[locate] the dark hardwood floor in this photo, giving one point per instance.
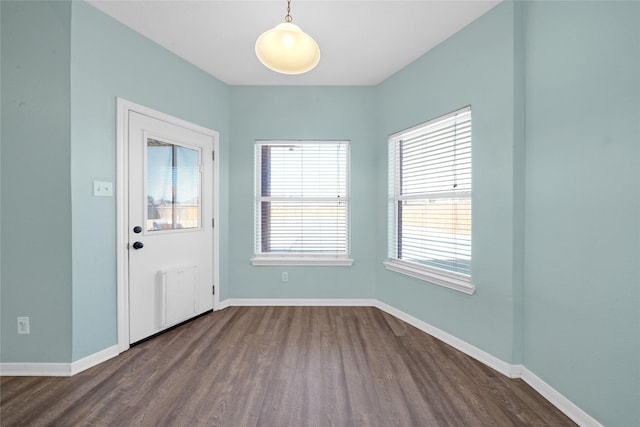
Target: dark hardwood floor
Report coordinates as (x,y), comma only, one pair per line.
(282,366)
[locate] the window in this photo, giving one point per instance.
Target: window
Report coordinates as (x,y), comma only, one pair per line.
(430,201)
(173,186)
(302,203)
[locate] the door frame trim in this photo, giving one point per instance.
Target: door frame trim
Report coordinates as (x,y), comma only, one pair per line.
(124,107)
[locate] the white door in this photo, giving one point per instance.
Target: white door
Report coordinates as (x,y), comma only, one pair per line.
(170,236)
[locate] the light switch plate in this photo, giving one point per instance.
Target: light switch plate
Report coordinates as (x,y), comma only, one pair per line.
(23,325)
(102,188)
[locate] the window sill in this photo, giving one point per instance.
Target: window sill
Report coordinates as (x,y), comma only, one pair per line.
(330,261)
(444,278)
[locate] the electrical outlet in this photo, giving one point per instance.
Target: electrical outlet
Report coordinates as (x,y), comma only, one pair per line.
(102,188)
(285,276)
(23,325)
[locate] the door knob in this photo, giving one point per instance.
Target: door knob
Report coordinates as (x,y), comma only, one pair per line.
(137,229)
(138,245)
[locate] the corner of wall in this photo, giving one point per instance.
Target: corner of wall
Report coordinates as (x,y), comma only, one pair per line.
(518,178)
(36,214)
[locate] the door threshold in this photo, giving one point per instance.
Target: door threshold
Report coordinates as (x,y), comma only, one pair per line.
(164,331)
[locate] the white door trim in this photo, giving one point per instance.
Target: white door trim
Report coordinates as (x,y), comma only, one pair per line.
(122,208)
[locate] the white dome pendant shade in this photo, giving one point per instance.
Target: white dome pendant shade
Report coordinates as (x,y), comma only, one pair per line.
(287,49)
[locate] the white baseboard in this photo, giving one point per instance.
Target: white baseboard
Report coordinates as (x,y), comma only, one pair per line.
(511,371)
(57,369)
(567,407)
(35,369)
(345,302)
(94,359)
(480,355)
(570,409)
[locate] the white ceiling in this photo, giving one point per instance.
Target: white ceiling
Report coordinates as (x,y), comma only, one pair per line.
(361,42)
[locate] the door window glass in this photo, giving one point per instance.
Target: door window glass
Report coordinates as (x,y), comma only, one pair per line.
(173,186)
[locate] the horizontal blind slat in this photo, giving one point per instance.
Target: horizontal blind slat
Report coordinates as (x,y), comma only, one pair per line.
(302,203)
(430,194)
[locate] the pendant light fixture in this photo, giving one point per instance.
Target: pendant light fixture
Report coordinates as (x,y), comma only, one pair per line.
(287,49)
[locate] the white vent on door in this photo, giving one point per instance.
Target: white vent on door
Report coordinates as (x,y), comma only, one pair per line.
(179,300)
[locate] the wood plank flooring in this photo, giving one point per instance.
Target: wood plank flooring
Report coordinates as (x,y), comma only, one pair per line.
(282,366)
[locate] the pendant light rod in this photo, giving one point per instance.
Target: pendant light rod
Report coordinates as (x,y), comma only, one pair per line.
(288,18)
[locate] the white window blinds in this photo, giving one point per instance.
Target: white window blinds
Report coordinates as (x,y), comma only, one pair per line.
(302,198)
(430,194)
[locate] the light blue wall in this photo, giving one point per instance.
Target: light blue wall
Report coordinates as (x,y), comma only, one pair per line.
(474,67)
(36,195)
(556,121)
(64,64)
(109,60)
(582,292)
(331,113)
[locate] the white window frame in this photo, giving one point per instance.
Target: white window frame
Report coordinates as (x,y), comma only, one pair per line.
(297,258)
(446,278)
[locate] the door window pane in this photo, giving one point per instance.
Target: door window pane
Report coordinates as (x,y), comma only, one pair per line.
(173,186)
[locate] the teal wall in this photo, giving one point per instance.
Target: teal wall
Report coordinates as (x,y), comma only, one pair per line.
(321,113)
(108,60)
(582,275)
(474,67)
(36,192)
(556,122)
(64,64)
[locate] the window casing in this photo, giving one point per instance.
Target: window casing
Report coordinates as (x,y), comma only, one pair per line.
(430,201)
(302,203)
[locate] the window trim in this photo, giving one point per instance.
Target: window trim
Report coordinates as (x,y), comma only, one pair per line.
(299,258)
(445,278)
(308,260)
